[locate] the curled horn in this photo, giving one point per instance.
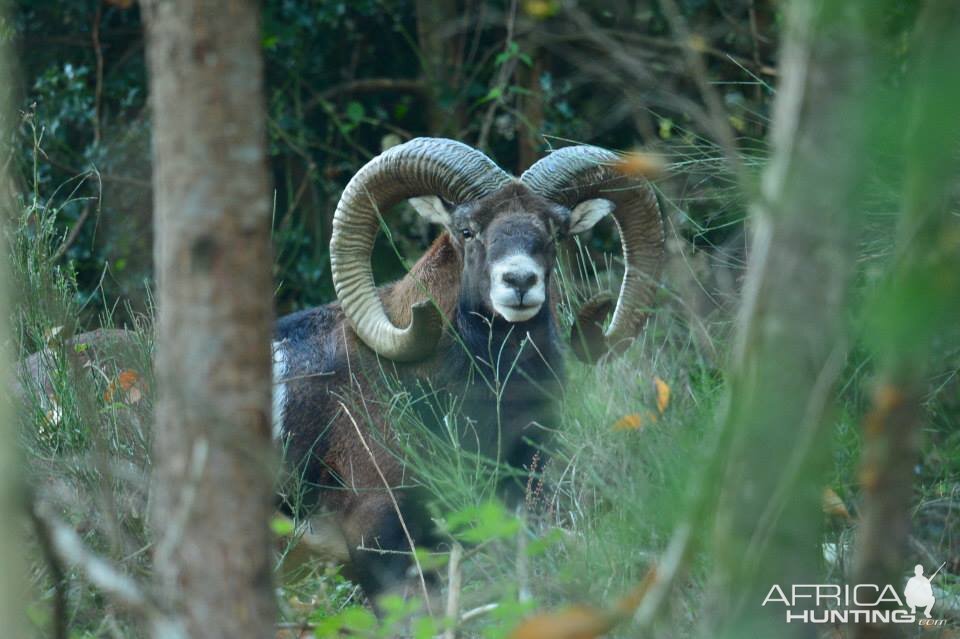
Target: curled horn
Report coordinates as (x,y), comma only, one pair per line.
(573,174)
(423,166)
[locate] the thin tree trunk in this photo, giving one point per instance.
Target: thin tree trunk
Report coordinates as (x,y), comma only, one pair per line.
(212,487)
(441,55)
(925,252)
(790,345)
(11,570)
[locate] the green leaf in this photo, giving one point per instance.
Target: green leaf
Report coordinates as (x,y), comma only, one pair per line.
(424,628)
(666,128)
(357,619)
(485,522)
(429,560)
(539,546)
(493,94)
(355,111)
(282,526)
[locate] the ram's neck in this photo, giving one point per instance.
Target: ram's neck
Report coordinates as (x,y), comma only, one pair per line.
(436,275)
(498,346)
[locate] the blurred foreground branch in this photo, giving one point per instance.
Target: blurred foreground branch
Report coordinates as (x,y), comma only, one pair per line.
(916,308)
(791,342)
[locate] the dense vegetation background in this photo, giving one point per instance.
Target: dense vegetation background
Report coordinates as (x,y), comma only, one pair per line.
(692,83)
(345,79)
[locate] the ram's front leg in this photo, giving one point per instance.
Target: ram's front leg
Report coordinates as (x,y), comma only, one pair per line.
(381,539)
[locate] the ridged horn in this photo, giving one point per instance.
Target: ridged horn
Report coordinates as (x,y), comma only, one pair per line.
(422,166)
(573,174)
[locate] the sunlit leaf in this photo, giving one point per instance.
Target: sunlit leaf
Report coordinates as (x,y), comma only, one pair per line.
(832,504)
(641,164)
(634,421)
(663,394)
(573,623)
(541,9)
(127,387)
(282,526)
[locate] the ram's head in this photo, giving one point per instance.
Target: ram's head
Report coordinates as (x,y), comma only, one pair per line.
(506,230)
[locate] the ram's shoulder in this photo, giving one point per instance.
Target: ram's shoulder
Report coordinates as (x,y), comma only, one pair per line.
(308,323)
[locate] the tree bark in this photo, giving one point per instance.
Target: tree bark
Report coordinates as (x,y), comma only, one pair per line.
(928,250)
(790,345)
(441,56)
(212,488)
(12,574)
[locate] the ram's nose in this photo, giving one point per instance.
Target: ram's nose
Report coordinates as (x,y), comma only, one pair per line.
(521,282)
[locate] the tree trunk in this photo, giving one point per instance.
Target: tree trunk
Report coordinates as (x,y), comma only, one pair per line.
(442,58)
(212,489)
(790,345)
(916,314)
(12,575)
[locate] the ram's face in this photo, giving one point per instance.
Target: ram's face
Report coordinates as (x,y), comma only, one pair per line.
(508,244)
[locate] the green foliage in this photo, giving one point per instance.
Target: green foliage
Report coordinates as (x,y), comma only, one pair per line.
(600,512)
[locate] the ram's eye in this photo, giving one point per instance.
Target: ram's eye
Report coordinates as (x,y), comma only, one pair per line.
(466,233)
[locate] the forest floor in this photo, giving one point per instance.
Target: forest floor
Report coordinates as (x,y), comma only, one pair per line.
(636,433)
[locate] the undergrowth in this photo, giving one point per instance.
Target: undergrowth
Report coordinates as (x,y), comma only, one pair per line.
(635,432)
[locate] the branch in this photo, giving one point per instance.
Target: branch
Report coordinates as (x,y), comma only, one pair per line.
(61,629)
(69,550)
(366,85)
(716,113)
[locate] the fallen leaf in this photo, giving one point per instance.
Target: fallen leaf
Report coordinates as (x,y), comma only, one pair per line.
(126,387)
(635,421)
(641,163)
(573,623)
(663,394)
(122,4)
(581,622)
(832,504)
(54,414)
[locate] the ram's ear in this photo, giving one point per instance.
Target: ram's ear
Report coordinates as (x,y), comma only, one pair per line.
(432,209)
(587,213)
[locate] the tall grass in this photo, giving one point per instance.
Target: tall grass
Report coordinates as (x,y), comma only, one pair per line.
(616,473)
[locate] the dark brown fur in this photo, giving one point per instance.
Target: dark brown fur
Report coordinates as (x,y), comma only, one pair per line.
(335,390)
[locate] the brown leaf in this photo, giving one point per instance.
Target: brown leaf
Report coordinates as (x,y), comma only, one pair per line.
(663,394)
(832,504)
(633,421)
(121,4)
(641,164)
(578,622)
(127,387)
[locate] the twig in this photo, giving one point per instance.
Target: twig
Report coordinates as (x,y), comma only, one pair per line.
(365,85)
(70,550)
(523,566)
(98,90)
(78,225)
(506,70)
(453,591)
(479,611)
(716,112)
(396,507)
(61,629)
